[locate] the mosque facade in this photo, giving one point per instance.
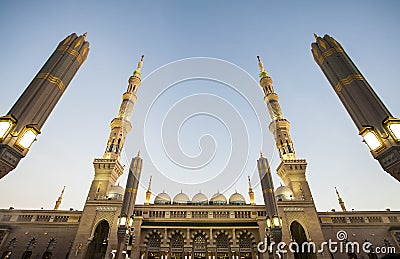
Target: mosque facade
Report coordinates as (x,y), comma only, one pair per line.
(113,225)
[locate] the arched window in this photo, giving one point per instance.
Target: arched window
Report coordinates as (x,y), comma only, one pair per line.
(177,241)
(245,241)
(199,242)
(154,240)
(222,241)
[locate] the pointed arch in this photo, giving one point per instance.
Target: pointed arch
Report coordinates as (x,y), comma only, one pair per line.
(98,245)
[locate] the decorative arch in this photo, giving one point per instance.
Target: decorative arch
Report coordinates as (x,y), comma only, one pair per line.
(299,235)
(96,224)
(98,245)
(149,235)
(246,239)
(200,233)
(303,224)
(174,234)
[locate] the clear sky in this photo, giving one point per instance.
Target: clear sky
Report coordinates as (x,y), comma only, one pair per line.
(199,122)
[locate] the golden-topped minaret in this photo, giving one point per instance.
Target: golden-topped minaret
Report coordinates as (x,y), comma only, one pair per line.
(58,202)
(148,193)
(102,209)
(251,193)
(108,168)
(291,169)
(341,202)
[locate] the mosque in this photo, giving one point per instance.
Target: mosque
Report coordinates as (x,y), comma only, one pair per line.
(113,225)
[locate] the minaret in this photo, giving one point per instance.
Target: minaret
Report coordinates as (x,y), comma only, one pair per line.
(99,207)
(58,202)
(148,193)
(267,186)
(251,193)
(379,129)
(341,202)
(291,169)
(20,127)
(108,168)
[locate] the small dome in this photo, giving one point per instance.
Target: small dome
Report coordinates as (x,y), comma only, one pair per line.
(200,199)
(181,198)
(116,192)
(162,198)
(237,199)
(218,199)
(284,193)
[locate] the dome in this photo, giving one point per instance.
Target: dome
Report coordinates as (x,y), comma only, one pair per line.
(218,199)
(181,198)
(284,193)
(237,199)
(116,192)
(162,198)
(200,199)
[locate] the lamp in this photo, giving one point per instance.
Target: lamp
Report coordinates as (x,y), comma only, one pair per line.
(268,222)
(122,220)
(371,138)
(393,126)
(27,136)
(276,221)
(6,124)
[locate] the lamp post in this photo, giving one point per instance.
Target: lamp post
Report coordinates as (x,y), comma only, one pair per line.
(273,232)
(124,231)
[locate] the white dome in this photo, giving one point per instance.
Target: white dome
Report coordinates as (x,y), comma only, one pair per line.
(218,199)
(181,198)
(237,199)
(284,193)
(116,192)
(200,198)
(162,198)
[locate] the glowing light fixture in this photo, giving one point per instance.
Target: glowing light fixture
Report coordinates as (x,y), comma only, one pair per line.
(371,138)
(393,125)
(276,221)
(27,136)
(268,222)
(122,220)
(4,128)
(6,124)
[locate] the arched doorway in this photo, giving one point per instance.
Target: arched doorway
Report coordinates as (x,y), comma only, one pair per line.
(154,245)
(299,236)
(98,246)
(246,244)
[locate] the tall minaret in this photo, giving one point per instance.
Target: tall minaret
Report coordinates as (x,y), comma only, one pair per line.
(341,202)
(20,127)
(379,129)
(99,207)
(58,202)
(148,193)
(291,169)
(267,186)
(108,168)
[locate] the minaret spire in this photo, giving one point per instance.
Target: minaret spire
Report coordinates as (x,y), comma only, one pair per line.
(58,202)
(251,193)
(148,192)
(341,202)
(120,125)
(279,126)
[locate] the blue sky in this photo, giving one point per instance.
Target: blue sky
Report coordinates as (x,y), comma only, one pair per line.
(234,31)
